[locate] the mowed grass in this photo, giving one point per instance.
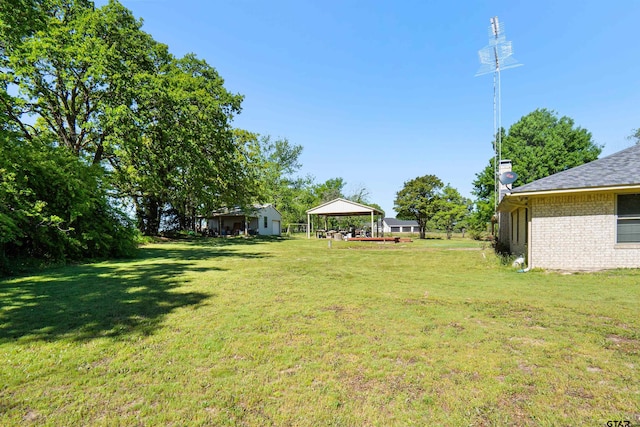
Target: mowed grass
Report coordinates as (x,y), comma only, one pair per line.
(259,332)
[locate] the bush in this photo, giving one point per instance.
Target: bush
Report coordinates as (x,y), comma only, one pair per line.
(479,235)
(53,207)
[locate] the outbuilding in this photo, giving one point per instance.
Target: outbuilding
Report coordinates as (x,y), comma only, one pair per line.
(393,225)
(264,220)
(342,207)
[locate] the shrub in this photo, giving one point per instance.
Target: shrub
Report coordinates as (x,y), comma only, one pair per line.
(53,207)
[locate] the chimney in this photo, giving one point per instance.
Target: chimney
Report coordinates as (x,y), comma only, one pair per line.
(505,166)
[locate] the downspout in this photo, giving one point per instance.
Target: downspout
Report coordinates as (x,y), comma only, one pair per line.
(529,227)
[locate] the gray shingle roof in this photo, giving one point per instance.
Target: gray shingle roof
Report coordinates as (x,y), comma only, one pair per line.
(400,222)
(621,168)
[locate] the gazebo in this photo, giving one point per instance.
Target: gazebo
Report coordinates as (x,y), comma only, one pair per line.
(341,207)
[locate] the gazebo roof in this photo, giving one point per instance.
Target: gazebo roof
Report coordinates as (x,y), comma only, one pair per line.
(343,207)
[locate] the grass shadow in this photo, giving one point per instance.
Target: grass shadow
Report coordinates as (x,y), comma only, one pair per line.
(91,301)
(109,299)
(198,248)
(237,240)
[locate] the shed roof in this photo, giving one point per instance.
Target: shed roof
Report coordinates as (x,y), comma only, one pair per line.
(236,211)
(393,222)
(618,169)
(343,207)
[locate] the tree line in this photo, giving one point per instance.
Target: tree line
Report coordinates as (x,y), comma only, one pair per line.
(539,144)
(98,119)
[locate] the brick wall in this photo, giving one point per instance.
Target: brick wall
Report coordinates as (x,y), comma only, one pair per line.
(577,232)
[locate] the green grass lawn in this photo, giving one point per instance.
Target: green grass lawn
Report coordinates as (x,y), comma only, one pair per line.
(291,332)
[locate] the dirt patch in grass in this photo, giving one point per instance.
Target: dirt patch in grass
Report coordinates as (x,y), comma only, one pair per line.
(387,388)
(31,416)
(529,341)
(527,369)
(515,404)
(624,344)
(621,340)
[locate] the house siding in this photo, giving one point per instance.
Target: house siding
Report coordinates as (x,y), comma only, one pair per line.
(517,232)
(273,221)
(399,227)
(236,222)
(578,232)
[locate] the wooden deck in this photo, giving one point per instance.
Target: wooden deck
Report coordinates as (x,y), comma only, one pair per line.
(380,239)
(374,239)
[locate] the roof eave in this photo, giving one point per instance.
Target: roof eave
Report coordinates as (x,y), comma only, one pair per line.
(575,190)
(368,209)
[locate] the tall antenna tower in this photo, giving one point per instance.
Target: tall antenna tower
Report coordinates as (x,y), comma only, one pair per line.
(495,57)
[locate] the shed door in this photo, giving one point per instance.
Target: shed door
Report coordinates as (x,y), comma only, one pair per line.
(276,227)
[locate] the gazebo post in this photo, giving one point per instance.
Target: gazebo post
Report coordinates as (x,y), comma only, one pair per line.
(341,207)
(371,224)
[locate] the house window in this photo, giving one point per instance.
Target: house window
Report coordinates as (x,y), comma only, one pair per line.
(265,222)
(629,218)
(395,229)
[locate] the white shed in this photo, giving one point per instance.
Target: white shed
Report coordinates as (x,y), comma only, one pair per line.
(268,221)
(393,225)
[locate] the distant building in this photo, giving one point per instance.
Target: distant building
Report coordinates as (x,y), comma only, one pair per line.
(264,220)
(392,225)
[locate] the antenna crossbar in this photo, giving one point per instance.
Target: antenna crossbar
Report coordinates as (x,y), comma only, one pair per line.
(494,57)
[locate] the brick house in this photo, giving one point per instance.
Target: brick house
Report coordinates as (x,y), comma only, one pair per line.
(584,218)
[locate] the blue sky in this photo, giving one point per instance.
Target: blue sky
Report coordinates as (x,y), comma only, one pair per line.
(381,92)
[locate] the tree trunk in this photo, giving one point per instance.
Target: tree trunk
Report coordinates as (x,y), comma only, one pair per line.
(193,219)
(140,218)
(151,216)
(97,157)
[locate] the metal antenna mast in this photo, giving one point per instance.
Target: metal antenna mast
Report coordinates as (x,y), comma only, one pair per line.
(495,57)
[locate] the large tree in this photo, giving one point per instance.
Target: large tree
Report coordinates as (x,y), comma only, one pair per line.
(451,210)
(277,163)
(539,144)
(71,70)
(175,153)
(55,92)
(90,81)
(329,190)
(418,200)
